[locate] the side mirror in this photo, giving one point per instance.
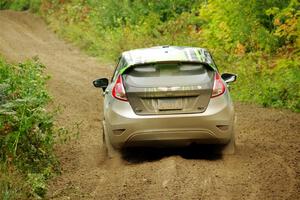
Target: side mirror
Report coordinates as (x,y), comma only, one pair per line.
(101,83)
(228,78)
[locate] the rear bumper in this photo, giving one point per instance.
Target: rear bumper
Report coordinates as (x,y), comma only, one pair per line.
(125,128)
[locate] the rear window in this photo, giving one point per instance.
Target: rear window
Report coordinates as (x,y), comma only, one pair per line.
(156,75)
(161,70)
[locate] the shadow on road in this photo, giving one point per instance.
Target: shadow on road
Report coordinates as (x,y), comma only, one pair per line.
(136,155)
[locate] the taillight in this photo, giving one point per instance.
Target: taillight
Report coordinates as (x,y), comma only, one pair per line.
(219,87)
(119,91)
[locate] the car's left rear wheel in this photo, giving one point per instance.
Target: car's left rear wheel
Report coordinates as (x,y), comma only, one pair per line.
(103,148)
(111,152)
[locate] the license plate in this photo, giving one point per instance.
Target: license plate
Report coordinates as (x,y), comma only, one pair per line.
(170,104)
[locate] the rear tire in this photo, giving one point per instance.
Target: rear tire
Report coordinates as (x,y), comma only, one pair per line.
(111,152)
(229,148)
(104,148)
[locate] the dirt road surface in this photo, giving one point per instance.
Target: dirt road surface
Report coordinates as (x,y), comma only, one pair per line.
(265,166)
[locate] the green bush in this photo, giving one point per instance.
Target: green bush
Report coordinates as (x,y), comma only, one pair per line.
(20,5)
(26,129)
(277,87)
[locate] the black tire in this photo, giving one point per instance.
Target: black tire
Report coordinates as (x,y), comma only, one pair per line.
(103,150)
(103,147)
(111,152)
(229,148)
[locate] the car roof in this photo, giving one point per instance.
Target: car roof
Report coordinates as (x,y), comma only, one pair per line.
(168,54)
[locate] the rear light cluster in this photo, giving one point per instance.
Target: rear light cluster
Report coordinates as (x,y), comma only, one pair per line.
(118,90)
(219,87)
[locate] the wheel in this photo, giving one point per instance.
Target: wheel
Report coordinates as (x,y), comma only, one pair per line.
(229,148)
(110,150)
(103,147)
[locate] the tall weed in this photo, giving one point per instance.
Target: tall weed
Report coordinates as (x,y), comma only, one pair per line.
(26,130)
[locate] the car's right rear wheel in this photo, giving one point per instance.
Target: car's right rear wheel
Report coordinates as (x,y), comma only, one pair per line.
(229,148)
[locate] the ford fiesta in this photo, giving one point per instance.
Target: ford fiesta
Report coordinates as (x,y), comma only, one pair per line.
(167,96)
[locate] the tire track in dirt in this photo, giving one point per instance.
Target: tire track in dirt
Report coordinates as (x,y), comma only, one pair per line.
(266,165)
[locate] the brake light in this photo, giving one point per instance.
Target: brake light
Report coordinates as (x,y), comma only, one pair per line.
(118,90)
(219,87)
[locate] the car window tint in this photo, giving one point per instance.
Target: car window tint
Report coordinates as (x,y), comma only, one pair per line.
(161,70)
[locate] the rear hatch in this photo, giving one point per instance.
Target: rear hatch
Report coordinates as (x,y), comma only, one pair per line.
(168,88)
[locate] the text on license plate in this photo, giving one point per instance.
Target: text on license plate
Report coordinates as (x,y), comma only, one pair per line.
(170,104)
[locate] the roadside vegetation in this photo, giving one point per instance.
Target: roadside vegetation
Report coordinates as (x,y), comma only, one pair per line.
(26,131)
(258,40)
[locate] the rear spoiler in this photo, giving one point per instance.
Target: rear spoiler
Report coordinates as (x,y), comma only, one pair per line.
(209,66)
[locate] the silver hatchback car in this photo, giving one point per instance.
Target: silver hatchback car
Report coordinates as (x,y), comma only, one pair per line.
(167,96)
